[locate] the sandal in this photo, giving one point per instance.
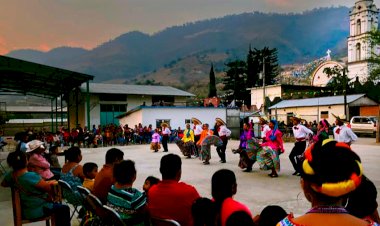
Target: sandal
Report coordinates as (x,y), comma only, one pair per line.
(273,175)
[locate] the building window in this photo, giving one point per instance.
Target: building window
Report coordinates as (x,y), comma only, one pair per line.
(187,121)
(159,121)
(358,27)
(324,114)
(358,52)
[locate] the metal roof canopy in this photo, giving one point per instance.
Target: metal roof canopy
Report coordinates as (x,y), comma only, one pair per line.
(27,78)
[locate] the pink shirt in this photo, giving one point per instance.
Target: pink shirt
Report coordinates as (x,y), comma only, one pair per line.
(277,144)
(40,165)
(155,138)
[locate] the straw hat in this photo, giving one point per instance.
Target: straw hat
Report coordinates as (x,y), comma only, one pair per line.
(263,119)
(341,117)
(33,145)
(296,117)
(196,121)
(220,121)
(164,124)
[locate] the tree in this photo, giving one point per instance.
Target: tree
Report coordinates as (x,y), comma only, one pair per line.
(339,82)
(253,69)
(235,81)
(212,85)
(269,58)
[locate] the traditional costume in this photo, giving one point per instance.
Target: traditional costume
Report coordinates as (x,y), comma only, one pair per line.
(187,145)
(301,134)
(341,132)
(155,143)
(205,154)
(165,135)
(197,133)
(224,134)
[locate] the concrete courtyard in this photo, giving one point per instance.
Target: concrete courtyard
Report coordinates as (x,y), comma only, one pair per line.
(255,189)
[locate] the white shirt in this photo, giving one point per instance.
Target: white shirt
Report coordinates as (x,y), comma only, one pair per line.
(300,131)
(197,130)
(166,131)
(264,129)
(344,134)
(223,131)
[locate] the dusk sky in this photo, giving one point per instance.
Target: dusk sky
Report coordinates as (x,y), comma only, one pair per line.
(46,24)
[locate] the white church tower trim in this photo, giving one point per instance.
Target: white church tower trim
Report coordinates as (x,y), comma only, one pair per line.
(363,18)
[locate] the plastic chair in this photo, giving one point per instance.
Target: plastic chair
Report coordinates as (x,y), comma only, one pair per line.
(17,214)
(95,209)
(111,217)
(163,222)
(84,192)
(71,197)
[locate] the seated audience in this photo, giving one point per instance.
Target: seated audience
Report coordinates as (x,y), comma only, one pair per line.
(203,212)
(104,179)
(73,157)
(129,202)
(223,188)
(270,216)
(37,163)
(170,198)
(330,171)
(90,170)
(240,218)
(362,202)
(149,182)
(33,191)
(52,158)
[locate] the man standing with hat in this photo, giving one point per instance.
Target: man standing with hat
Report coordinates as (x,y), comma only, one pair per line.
(341,132)
(264,127)
(165,135)
(224,134)
(301,134)
(197,133)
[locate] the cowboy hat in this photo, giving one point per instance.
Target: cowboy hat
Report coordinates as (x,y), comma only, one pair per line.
(263,119)
(220,121)
(33,145)
(196,121)
(341,117)
(164,124)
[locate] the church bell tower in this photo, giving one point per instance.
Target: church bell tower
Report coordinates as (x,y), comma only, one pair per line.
(363,18)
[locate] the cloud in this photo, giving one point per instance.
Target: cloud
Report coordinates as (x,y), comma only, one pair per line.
(44,47)
(280,3)
(3,46)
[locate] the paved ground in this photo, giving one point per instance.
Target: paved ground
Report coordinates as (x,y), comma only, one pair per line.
(255,189)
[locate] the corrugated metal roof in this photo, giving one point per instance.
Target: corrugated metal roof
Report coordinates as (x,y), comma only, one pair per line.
(33,109)
(321,101)
(135,89)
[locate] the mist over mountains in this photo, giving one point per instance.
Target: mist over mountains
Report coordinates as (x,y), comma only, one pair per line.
(298,38)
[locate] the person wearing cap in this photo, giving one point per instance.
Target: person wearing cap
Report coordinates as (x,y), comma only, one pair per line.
(301,134)
(197,133)
(38,163)
(341,132)
(224,133)
(329,173)
(165,135)
(264,127)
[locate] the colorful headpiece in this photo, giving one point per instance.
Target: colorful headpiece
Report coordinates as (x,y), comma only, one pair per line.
(332,189)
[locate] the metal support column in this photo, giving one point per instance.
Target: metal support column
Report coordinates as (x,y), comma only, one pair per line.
(62,111)
(52,116)
(88,104)
(56,114)
(68,109)
(76,108)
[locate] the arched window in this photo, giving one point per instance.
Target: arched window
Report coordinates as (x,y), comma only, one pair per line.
(358,27)
(358,52)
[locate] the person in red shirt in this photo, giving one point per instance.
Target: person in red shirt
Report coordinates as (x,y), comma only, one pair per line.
(171,199)
(104,179)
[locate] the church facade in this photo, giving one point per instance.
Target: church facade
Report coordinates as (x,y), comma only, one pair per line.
(363,19)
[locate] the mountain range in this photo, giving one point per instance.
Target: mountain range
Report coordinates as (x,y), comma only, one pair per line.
(133,55)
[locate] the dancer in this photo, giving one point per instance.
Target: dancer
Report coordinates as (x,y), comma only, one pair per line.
(268,157)
(188,141)
(247,155)
(155,143)
(341,132)
(322,132)
(165,135)
(197,133)
(224,133)
(301,134)
(264,127)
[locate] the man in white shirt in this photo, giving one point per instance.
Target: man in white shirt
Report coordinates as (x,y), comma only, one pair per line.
(197,133)
(341,132)
(224,133)
(264,127)
(165,135)
(301,134)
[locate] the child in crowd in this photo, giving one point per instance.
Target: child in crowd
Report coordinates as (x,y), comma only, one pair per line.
(149,182)
(155,144)
(52,158)
(90,170)
(270,216)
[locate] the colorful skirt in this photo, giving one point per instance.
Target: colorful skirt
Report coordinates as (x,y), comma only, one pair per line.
(249,155)
(267,158)
(187,148)
(155,146)
(205,153)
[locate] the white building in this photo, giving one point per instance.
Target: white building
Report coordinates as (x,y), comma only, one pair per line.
(106,101)
(363,18)
(174,116)
(319,108)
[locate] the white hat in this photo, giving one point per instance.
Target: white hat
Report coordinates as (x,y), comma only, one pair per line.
(341,117)
(33,145)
